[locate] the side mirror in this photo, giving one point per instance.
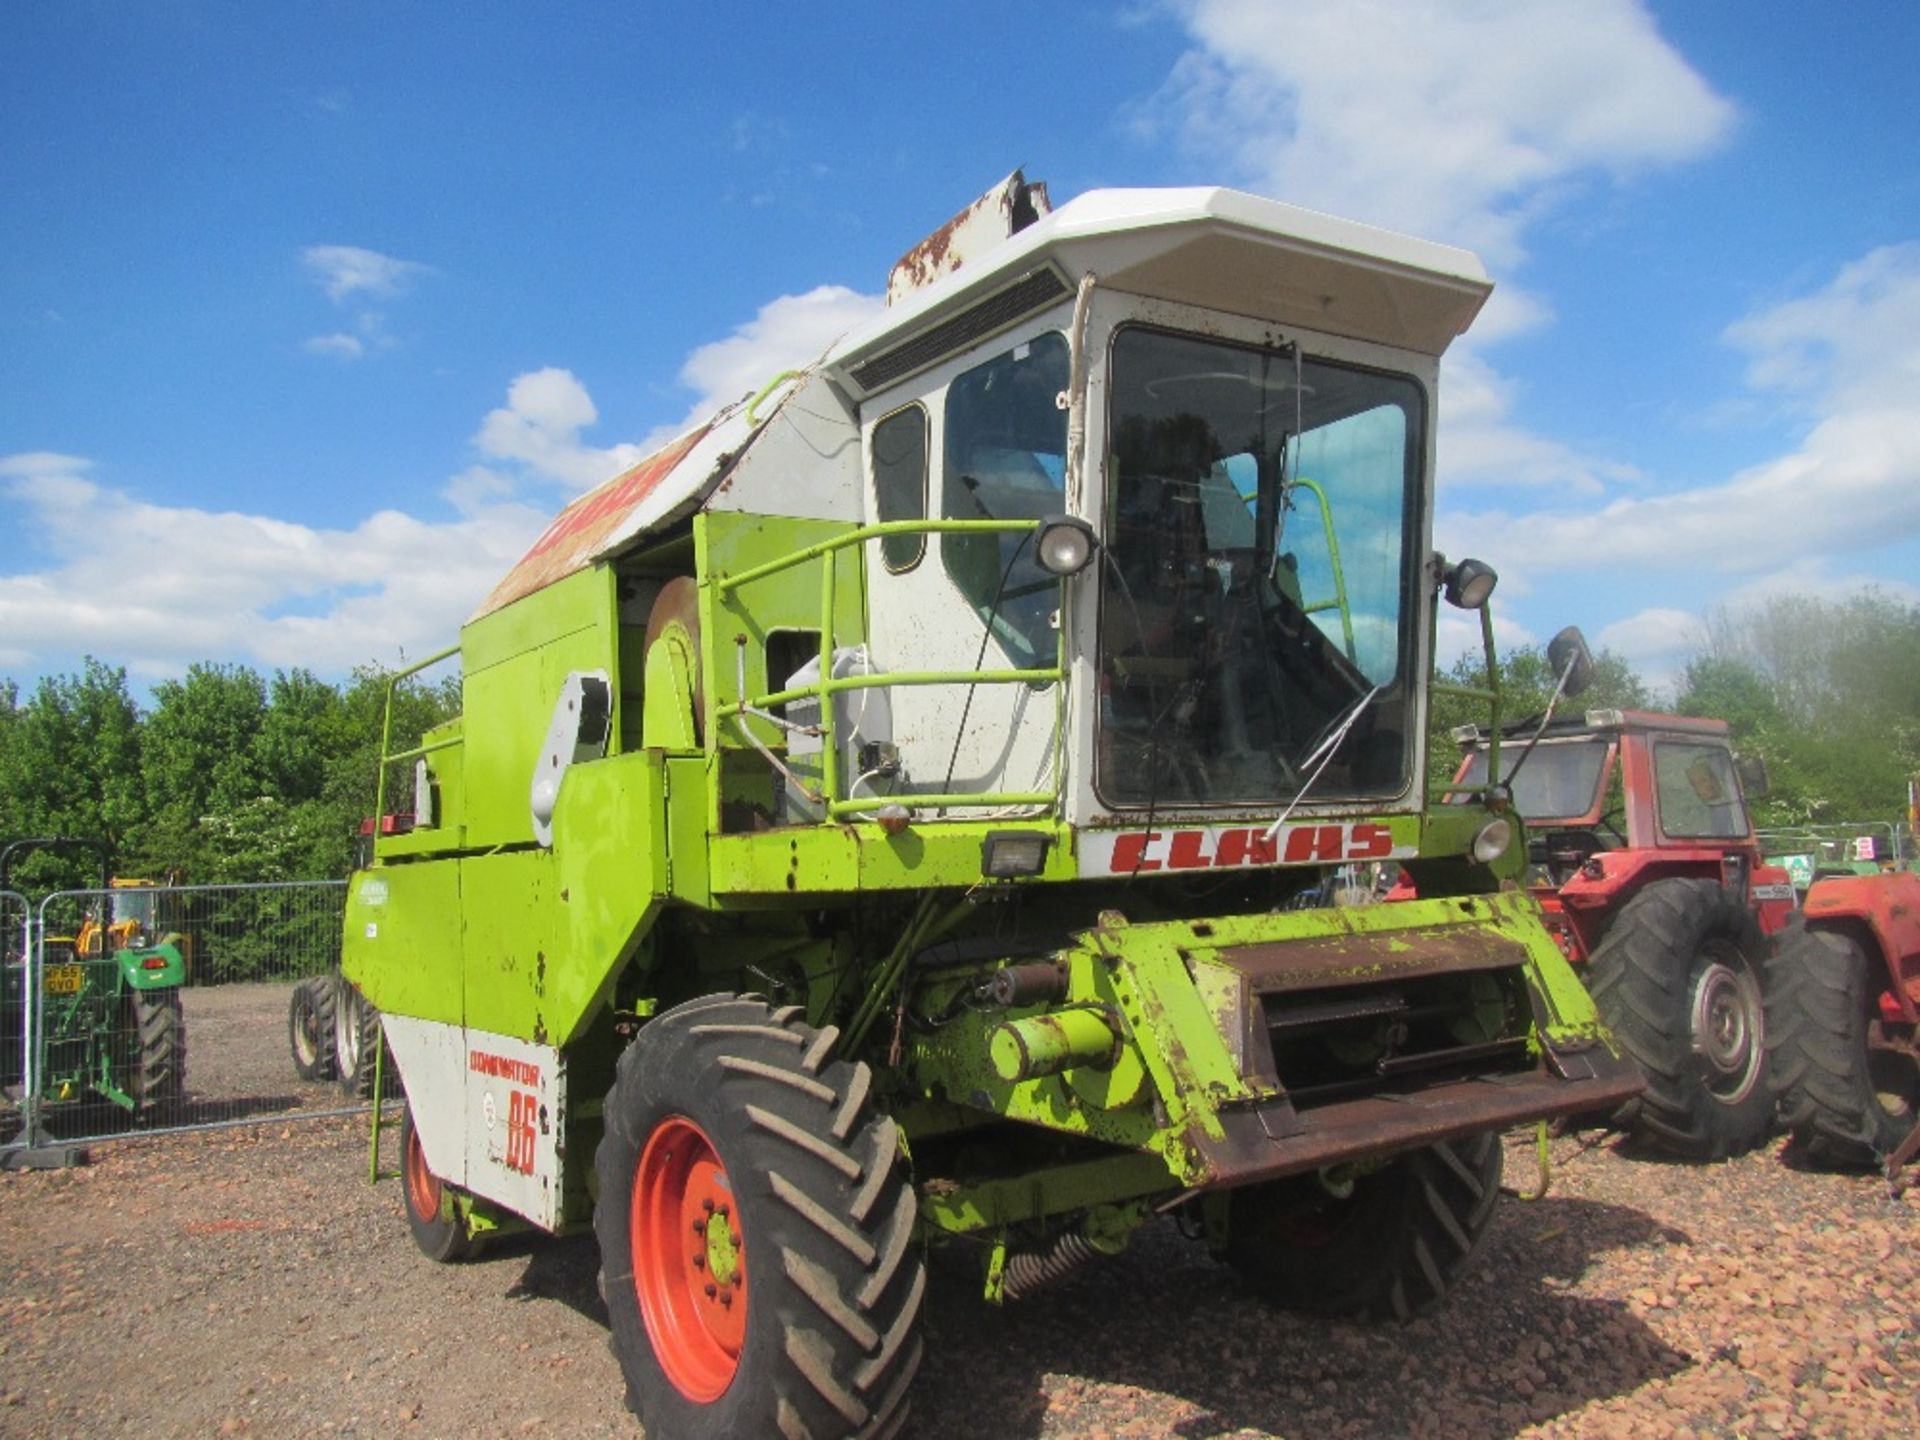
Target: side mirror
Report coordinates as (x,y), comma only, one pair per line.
(1567,655)
(1752,771)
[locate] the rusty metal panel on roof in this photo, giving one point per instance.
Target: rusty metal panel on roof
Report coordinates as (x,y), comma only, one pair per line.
(1006,209)
(579,531)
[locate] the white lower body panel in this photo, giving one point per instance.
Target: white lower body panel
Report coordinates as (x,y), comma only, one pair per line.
(489,1110)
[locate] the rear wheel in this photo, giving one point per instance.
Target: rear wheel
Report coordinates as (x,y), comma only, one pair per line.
(1392,1246)
(756,1231)
(356,1040)
(160,1066)
(437,1230)
(1845,1101)
(1677,979)
(310,1028)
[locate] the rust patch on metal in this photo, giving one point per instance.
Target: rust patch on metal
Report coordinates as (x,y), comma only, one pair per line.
(1361,959)
(1384,1124)
(577,531)
(1003,211)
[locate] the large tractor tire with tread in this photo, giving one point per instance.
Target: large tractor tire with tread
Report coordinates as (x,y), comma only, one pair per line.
(1391,1248)
(160,1062)
(1844,1103)
(310,1028)
(357,1038)
(756,1225)
(438,1232)
(1678,980)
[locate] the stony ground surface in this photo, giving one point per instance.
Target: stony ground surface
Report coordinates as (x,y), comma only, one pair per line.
(252,1282)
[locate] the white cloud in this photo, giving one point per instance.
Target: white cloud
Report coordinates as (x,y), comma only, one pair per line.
(540,426)
(1459,122)
(36,464)
(784,334)
(345,271)
(1479,444)
(1657,643)
(1849,356)
(215,584)
(339,345)
(228,584)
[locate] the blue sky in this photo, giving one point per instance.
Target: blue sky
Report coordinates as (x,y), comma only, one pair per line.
(310,315)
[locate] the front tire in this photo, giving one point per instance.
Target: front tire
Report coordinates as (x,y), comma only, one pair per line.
(1393,1247)
(756,1231)
(1845,1102)
(1677,979)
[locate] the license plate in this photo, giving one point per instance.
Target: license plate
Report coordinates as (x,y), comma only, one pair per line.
(65,979)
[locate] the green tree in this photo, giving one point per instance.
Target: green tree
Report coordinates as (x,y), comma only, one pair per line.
(70,765)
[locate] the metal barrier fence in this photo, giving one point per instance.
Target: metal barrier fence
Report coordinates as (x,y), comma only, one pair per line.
(16,1015)
(152,1008)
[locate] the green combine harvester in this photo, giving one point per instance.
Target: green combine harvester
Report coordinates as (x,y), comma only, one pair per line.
(896,813)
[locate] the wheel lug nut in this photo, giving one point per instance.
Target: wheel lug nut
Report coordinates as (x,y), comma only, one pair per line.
(721,1212)
(736,1239)
(699,1261)
(712,1291)
(727,1299)
(707,1205)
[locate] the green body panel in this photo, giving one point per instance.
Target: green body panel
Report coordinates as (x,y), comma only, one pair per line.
(401,944)
(609,848)
(859,856)
(514,662)
(512,943)
(137,975)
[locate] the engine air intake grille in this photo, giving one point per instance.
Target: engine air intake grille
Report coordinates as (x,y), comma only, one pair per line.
(996,312)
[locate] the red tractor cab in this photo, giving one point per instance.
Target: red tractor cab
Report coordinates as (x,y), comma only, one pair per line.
(1645,861)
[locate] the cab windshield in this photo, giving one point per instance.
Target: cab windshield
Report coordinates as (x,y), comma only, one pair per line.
(1256,592)
(1560,781)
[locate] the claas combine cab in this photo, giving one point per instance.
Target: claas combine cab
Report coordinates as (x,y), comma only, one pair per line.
(874,823)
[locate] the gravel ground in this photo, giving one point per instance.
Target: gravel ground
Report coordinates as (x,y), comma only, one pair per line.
(252,1282)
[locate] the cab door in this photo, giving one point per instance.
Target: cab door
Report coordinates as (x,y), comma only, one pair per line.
(981,437)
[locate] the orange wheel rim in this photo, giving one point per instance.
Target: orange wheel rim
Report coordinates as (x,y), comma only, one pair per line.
(423,1186)
(689,1260)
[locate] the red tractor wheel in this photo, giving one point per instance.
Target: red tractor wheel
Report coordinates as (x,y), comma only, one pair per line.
(693,1296)
(1847,1101)
(1678,980)
(438,1232)
(756,1231)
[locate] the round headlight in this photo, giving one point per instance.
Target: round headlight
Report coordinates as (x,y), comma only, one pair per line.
(1469,584)
(1065,544)
(1491,840)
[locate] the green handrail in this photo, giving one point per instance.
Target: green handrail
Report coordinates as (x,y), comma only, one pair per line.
(386,732)
(822,690)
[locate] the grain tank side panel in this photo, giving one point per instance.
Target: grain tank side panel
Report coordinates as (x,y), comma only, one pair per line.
(401,944)
(515,661)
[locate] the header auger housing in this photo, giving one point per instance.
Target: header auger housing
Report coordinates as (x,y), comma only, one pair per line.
(874,820)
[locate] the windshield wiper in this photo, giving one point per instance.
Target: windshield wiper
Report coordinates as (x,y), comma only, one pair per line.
(1321,756)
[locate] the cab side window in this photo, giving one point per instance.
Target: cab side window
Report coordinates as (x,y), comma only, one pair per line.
(898,454)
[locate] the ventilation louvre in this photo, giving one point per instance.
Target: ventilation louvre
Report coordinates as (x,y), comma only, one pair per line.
(1027,294)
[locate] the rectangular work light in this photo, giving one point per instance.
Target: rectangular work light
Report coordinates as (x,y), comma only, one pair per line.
(1010,854)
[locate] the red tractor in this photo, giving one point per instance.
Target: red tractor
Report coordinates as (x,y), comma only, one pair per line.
(1646,864)
(1843,1016)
